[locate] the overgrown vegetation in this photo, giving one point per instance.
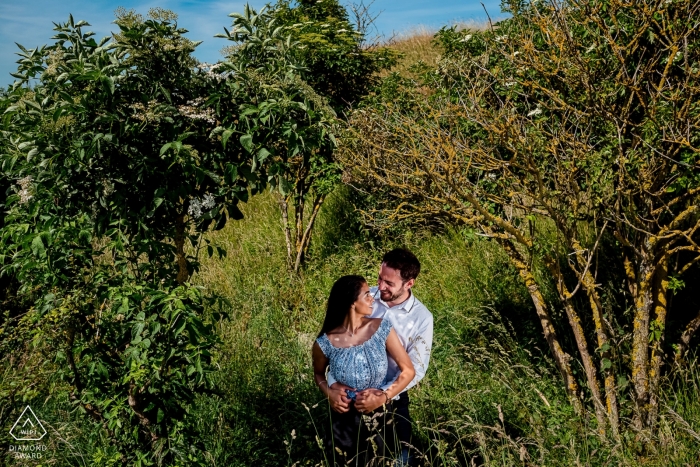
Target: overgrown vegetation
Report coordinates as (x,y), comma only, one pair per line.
(146,327)
(564,135)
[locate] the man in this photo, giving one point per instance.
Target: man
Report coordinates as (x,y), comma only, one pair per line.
(413,324)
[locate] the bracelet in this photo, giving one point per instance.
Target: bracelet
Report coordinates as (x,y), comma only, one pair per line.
(322,382)
(387,397)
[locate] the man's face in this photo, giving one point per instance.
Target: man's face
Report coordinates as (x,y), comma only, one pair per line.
(392,288)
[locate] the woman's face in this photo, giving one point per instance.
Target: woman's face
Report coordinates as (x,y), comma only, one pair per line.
(363,304)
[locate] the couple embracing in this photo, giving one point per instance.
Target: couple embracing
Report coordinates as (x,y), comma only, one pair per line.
(374,345)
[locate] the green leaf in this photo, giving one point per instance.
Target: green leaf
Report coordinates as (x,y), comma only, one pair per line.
(247,143)
(38,247)
(165,148)
(225,136)
(230,173)
(263,154)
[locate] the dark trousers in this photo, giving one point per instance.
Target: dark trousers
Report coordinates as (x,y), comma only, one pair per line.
(362,440)
(402,419)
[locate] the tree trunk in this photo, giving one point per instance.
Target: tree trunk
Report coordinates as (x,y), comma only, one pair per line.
(299,223)
(660,310)
(282,201)
(306,238)
(580,338)
(588,283)
(561,358)
(640,340)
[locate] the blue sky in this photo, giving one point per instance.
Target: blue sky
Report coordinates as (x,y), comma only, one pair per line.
(30,22)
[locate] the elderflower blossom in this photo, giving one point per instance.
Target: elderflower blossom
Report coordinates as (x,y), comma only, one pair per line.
(25,185)
(192,110)
(198,206)
(209,70)
(145,113)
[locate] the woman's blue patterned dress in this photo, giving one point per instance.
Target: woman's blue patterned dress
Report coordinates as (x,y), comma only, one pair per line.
(360,366)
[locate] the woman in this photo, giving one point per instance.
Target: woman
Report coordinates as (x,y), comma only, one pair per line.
(356,346)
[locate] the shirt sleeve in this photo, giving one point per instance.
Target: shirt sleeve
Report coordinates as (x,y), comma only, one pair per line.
(418,349)
(330,379)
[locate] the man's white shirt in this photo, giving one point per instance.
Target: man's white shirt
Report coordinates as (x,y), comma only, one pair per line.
(414,326)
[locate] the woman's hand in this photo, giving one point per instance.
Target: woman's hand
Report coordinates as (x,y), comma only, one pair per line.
(338,398)
(369,400)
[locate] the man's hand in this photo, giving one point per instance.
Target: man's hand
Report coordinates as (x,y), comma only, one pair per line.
(340,402)
(369,399)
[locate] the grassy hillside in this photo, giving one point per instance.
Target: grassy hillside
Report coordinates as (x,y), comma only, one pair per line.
(491,395)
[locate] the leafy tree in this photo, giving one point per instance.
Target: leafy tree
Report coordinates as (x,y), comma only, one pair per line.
(121,155)
(329,56)
(563,128)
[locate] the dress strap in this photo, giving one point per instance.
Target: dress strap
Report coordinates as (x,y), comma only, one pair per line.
(384,329)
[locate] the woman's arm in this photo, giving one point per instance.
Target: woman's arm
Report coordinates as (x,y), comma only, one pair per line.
(320,362)
(371,398)
(337,395)
(398,353)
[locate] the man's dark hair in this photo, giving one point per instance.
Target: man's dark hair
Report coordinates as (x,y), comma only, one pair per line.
(404,261)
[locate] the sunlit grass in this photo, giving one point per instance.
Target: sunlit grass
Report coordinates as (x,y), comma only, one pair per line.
(491,396)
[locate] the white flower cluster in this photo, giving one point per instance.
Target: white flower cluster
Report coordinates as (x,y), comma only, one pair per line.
(192,110)
(144,113)
(198,206)
(25,185)
(209,70)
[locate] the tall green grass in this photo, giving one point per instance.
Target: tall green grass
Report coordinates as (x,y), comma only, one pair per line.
(491,395)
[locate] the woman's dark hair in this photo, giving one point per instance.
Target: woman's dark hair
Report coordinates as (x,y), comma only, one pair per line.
(344,293)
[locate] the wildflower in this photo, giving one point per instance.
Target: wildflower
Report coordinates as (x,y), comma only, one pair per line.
(534,112)
(144,113)
(192,111)
(466,38)
(199,206)
(209,70)
(25,185)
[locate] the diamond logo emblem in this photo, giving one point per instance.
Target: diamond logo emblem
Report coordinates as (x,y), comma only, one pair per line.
(28,427)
